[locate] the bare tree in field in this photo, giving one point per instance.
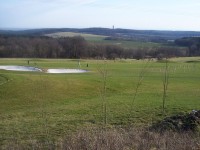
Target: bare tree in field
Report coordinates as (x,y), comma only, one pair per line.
(165,84)
(104,74)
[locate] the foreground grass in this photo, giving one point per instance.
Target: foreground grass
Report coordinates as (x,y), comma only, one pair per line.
(42,107)
(114,139)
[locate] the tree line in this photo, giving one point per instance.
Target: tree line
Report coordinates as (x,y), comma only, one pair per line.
(76,47)
(193,44)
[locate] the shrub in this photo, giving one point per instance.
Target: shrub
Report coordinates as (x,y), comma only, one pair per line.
(179,123)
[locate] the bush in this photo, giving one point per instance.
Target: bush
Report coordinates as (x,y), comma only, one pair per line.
(180,123)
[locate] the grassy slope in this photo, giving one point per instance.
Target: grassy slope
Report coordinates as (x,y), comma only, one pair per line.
(42,106)
(89,37)
(130,44)
(101,40)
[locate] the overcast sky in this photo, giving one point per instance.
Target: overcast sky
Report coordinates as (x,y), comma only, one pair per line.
(132,14)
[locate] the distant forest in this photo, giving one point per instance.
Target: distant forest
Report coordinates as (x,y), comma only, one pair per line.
(193,44)
(78,47)
(141,35)
(33,43)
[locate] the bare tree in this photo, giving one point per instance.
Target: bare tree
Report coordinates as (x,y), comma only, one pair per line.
(165,84)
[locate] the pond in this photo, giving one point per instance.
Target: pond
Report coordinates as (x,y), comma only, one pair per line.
(20,68)
(65,71)
(35,69)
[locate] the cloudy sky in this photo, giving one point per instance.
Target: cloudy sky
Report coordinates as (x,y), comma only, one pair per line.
(132,14)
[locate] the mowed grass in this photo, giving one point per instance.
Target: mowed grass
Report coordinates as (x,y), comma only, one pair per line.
(41,106)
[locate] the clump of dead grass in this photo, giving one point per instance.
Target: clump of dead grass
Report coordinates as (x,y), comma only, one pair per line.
(125,139)
(114,139)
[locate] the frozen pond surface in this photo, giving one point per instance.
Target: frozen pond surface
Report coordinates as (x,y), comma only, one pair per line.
(65,71)
(27,68)
(20,68)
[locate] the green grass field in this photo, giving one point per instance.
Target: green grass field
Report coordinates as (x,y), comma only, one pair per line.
(88,37)
(101,40)
(40,106)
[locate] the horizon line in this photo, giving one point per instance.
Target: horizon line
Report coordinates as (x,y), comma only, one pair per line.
(37,28)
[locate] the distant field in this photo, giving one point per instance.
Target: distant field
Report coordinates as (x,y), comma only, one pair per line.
(40,106)
(101,40)
(131,44)
(88,37)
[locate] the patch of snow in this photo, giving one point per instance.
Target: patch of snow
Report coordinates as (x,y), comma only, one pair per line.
(20,68)
(65,71)
(27,68)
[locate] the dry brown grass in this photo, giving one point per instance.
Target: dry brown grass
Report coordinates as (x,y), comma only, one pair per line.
(116,139)
(121,139)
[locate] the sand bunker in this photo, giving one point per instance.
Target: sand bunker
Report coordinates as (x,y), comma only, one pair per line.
(20,68)
(65,71)
(27,68)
